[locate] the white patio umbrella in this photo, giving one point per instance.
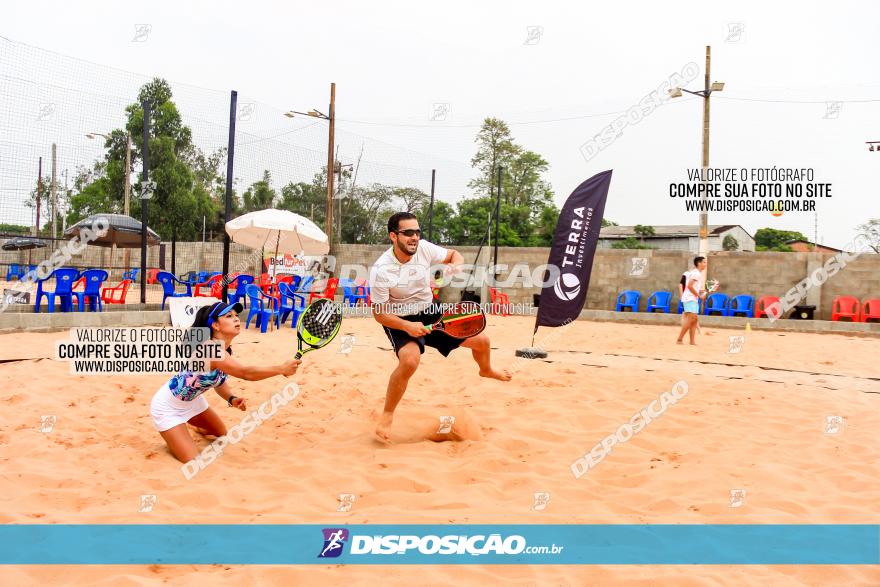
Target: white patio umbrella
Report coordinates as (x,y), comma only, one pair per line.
(288,232)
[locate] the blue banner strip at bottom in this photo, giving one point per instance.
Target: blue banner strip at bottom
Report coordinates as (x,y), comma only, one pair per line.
(794,544)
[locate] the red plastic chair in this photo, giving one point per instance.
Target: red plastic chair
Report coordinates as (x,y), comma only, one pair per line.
(151,276)
(871,309)
(115,295)
(500,302)
(762,304)
(329,291)
(210,286)
(362,283)
(265,283)
(845,307)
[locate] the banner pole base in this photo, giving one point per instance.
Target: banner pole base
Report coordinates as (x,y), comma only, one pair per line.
(531,353)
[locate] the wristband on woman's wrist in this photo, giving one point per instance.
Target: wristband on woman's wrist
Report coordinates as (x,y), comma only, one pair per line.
(229,401)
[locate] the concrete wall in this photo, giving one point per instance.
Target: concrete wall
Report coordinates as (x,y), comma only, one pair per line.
(750,273)
(753,273)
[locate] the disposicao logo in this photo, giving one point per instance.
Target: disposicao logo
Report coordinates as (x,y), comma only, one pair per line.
(334,541)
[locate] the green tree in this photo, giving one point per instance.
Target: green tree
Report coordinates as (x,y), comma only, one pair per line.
(443,221)
(871,231)
(181,196)
(260,195)
(771,239)
(606,222)
(643,231)
(15,229)
(495,147)
(306,199)
(730,243)
(630,242)
(523,183)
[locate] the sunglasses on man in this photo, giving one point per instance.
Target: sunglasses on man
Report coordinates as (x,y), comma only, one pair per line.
(410,232)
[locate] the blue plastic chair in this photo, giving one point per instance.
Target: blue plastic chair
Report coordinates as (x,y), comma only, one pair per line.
(289,303)
(168,280)
(92,293)
(628,299)
(131,274)
(191,277)
(662,300)
(742,305)
(259,310)
(14,271)
(353,293)
(717,302)
(64,280)
(239,296)
(699,306)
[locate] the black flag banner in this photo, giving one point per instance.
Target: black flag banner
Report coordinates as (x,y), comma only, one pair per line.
(574,245)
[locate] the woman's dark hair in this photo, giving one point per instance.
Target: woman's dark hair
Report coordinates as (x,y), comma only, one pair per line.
(394,221)
(697,260)
(201,320)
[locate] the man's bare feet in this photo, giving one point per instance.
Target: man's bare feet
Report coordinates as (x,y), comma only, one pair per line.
(679,341)
(503,375)
(383,429)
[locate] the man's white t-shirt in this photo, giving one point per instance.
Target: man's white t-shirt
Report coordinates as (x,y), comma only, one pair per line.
(406,287)
(697,277)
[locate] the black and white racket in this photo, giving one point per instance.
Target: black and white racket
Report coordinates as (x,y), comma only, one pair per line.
(317,326)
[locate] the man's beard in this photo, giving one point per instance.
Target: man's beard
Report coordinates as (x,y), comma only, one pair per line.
(403,248)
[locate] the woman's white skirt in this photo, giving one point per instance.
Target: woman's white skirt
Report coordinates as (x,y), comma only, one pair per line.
(168,411)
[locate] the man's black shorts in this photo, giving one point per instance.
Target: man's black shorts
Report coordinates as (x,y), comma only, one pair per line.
(440,341)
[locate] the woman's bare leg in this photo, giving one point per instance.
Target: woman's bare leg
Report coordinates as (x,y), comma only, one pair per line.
(208,423)
(180,443)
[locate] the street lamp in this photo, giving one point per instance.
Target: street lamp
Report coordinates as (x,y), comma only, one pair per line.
(331,118)
(705,93)
(312,113)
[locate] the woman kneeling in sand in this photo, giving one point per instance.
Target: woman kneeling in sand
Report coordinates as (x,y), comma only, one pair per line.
(180,402)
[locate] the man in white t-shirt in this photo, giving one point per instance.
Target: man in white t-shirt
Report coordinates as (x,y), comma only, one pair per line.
(400,291)
(691,295)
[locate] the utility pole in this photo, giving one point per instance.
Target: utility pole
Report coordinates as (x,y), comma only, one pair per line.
(39,194)
(54,194)
(708,87)
(330,166)
(67,204)
(704,214)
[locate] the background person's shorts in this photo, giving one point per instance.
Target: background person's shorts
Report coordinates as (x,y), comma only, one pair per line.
(440,341)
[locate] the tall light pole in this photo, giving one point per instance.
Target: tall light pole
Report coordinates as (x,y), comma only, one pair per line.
(705,93)
(331,118)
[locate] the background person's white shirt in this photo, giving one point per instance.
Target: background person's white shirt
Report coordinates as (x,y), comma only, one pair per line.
(406,285)
(695,276)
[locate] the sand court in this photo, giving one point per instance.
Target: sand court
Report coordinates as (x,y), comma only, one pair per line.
(784,430)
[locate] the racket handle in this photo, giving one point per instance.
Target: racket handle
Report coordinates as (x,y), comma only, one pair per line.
(298,355)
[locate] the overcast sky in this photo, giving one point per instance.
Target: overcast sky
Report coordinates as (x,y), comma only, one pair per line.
(393,61)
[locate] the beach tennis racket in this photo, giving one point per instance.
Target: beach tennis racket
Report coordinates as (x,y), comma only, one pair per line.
(462,320)
(317,326)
